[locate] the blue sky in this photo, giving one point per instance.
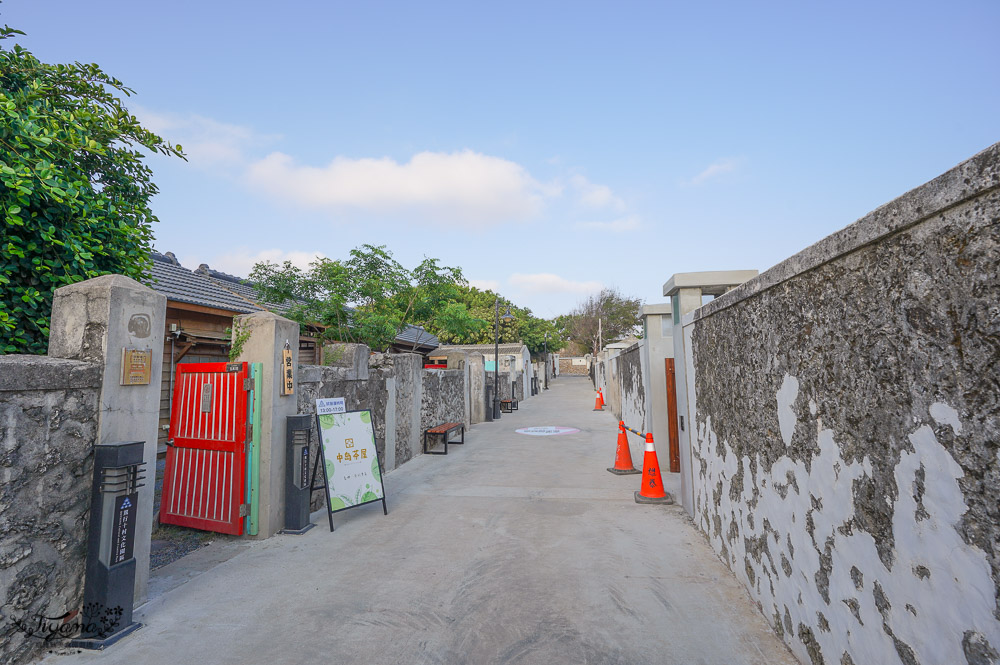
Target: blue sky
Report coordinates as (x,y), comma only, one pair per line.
(547,148)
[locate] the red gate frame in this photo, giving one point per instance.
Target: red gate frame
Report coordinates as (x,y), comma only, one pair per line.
(205,476)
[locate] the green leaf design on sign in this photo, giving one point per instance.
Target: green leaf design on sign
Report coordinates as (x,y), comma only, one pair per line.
(336,503)
(329,469)
(368,496)
(326,421)
(375,469)
(366,416)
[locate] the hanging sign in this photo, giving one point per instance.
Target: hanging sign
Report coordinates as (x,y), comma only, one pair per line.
(351,470)
(287,374)
(546,431)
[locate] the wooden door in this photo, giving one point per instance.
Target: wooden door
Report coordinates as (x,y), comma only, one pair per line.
(204,479)
(675,448)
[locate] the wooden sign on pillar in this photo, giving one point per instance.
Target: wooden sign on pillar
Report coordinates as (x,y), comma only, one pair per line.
(287,374)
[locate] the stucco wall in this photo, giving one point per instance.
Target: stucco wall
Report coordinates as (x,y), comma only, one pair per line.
(48,428)
(846,452)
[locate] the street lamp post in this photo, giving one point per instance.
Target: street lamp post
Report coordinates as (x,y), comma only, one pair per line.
(496,356)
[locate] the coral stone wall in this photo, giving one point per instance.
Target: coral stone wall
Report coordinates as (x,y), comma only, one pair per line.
(48,428)
(847,452)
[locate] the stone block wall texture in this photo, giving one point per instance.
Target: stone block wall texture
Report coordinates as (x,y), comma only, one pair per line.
(419,399)
(518,385)
(443,397)
(48,428)
(631,389)
(847,445)
(566,366)
(407,372)
(506,387)
(316,382)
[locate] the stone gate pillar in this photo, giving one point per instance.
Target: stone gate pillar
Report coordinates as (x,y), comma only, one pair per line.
(268,335)
(685,290)
(99,320)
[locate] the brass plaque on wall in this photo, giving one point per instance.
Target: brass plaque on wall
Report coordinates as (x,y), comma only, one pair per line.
(137,364)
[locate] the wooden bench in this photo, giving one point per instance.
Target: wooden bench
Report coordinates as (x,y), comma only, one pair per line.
(508,405)
(444,431)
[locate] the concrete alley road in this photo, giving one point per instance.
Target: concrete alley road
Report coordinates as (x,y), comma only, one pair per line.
(510,549)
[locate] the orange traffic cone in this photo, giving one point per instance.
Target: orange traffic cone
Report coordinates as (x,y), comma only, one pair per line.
(598,402)
(600,393)
(623,457)
(652,484)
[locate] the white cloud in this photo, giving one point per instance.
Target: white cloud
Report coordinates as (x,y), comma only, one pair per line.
(593,195)
(206,142)
(716,169)
(549,283)
(241,261)
(620,225)
(458,189)
(485,284)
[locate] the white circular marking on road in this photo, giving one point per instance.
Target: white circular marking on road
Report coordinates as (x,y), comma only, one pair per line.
(546,431)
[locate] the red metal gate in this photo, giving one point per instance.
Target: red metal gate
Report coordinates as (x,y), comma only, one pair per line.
(203,483)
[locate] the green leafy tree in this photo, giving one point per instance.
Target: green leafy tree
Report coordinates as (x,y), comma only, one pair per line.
(74,189)
(605,317)
(369,297)
(525,328)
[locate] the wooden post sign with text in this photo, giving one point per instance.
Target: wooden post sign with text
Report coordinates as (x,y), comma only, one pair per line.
(287,373)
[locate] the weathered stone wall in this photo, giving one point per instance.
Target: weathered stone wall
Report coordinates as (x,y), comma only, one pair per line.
(408,368)
(631,391)
(443,398)
(404,398)
(48,428)
(517,384)
(566,366)
(846,457)
(316,382)
(506,387)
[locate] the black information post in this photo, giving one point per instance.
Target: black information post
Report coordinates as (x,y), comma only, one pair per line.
(298,429)
(110,582)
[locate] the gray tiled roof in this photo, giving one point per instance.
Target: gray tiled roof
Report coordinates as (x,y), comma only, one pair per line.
(212,288)
(508,349)
(178,283)
(417,335)
(240,287)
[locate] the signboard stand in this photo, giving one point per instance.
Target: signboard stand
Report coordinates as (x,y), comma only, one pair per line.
(348,459)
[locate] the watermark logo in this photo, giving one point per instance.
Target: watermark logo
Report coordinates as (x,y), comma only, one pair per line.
(92,620)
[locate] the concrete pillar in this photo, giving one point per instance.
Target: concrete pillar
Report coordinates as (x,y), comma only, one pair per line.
(94,321)
(458,359)
(477,387)
(268,335)
(658,337)
(685,291)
